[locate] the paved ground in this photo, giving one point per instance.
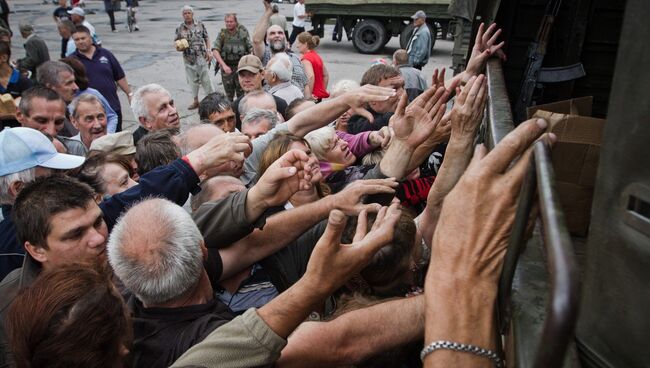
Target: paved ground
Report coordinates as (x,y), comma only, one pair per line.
(148,56)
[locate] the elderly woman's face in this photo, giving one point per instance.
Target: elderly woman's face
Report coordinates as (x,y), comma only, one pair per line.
(116,179)
(339,152)
(316,175)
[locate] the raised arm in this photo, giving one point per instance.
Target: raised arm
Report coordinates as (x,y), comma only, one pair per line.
(327,111)
(412,125)
(355,336)
(276,234)
(469,246)
(259,33)
(466,116)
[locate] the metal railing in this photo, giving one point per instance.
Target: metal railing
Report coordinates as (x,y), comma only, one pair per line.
(560,318)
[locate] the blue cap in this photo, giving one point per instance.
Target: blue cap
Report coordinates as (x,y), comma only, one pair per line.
(24,148)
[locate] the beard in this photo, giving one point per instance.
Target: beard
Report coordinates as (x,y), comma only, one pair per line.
(277,46)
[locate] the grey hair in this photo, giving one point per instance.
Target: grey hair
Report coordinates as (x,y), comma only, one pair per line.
(320,140)
(342,86)
(243,104)
(67,24)
(25,176)
(47,73)
(84,97)
(137,101)
(174,265)
(255,116)
(281,66)
(187,7)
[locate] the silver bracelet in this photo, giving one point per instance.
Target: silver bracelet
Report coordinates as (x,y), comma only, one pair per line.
(450,345)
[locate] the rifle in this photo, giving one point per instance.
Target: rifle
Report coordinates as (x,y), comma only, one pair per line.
(534,74)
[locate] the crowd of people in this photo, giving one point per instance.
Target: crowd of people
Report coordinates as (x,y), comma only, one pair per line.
(287,225)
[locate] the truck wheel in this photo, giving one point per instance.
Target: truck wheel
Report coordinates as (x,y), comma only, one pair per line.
(369,36)
(405,35)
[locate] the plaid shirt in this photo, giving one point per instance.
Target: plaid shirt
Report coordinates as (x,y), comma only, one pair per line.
(196,36)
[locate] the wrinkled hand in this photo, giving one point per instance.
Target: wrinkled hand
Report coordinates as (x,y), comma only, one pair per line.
(415,123)
(332,263)
(484,46)
(358,98)
(220,150)
(379,137)
(468,107)
(478,214)
(286,176)
(267,5)
(226,70)
(350,199)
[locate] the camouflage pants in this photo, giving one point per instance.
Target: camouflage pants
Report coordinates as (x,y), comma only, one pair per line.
(231,84)
(198,75)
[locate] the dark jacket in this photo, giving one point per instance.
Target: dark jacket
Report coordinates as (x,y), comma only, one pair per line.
(174,181)
(11,253)
(36,53)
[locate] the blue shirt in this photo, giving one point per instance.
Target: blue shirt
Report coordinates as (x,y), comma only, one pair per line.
(11,253)
(111,116)
(103,71)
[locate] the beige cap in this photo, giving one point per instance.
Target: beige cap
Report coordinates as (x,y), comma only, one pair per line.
(251,63)
(118,143)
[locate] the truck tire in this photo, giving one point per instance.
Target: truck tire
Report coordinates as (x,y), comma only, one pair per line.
(405,35)
(369,36)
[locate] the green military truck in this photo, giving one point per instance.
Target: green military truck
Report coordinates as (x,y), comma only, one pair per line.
(372,23)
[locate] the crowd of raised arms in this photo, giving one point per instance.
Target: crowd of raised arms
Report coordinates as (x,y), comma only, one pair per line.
(294,223)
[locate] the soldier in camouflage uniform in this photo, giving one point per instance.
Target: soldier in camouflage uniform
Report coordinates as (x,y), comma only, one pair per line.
(232,43)
(196,55)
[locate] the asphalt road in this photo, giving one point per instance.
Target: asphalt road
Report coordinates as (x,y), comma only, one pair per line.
(148,56)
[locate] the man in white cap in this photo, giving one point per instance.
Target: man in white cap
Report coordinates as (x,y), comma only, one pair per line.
(25,154)
(78,17)
(419,45)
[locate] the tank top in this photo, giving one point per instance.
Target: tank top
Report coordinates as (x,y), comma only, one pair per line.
(317,64)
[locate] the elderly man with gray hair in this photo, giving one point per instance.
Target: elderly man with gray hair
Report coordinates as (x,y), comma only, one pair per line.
(154,109)
(258,122)
(278,76)
(36,52)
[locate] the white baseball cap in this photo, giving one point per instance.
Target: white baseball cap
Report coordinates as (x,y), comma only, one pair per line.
(77,10)
(24,148)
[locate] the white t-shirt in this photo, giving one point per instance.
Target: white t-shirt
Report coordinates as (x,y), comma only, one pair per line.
(298,9)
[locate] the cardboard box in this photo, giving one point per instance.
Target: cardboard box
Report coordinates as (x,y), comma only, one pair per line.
(575,156)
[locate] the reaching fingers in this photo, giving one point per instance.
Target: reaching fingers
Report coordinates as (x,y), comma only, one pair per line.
(479,154)
(479,35)
(362,226)
(441,78)
(401,105)
(380,216)
(424,97)
(335,226)
(434,77)
(462,97)
(474,90)
(435,100)
(488,34)
(363,112)
(513,145)
(494,38)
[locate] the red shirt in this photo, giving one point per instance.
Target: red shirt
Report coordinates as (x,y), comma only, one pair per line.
(317,64)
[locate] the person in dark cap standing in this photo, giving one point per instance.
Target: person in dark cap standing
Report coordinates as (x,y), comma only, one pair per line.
(36,52)
(419,45)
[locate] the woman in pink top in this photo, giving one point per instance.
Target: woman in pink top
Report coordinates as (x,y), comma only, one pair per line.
(314,68)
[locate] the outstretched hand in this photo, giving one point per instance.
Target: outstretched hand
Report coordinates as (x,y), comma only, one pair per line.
(231,148)
(468,108)
(350,199)
(478,214)
(485,45)
(332,263)
(287,175)
(358,98)
(414,123)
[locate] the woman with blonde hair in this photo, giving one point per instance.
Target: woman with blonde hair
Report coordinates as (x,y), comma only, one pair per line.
(314,67)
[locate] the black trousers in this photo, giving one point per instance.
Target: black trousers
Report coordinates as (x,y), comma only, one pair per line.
(294,33)
(111,16)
